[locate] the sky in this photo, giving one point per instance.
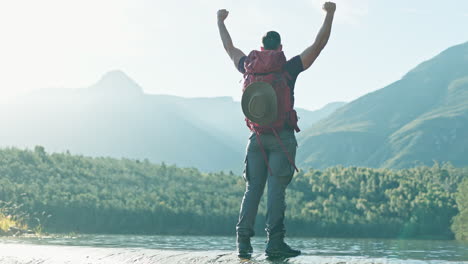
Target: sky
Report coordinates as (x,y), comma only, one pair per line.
(173,47)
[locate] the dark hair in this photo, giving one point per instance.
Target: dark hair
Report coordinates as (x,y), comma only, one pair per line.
(271,40)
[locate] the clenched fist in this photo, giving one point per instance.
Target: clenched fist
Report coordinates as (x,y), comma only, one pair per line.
(329,7)
(222,14)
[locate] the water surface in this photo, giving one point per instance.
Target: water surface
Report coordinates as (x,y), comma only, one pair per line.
(209,249)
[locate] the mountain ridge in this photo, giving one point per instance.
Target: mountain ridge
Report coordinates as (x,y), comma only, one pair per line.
(115,117)
(391,127)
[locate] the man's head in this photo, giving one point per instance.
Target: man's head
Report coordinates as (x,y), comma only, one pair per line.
(272,41)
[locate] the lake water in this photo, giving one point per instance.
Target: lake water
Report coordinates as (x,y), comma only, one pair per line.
(207,249)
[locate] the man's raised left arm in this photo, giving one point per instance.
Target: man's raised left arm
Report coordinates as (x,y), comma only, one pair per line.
(309,55)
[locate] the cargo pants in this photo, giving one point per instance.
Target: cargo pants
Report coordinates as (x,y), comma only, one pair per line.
(256,175)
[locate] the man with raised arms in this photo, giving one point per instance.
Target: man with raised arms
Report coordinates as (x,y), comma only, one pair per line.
(268,103)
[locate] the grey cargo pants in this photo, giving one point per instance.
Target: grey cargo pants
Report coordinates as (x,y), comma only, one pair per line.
(256,175)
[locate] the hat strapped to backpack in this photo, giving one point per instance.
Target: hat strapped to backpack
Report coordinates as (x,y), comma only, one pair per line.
(259,103)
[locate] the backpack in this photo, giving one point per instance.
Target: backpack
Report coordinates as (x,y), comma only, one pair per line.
(267,66)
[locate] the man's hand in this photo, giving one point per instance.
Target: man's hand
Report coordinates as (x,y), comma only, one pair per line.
(329,7)
(222,15)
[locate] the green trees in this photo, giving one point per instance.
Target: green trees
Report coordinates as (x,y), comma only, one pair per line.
(460,223)
(104,195)
(417,202)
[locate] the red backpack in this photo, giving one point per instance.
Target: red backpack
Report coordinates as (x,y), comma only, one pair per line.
(267,66)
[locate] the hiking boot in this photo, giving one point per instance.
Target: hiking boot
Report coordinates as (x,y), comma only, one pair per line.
(277,248)
(244,248)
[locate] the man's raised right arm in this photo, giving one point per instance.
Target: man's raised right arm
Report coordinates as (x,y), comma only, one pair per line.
(309,55)
(234,53)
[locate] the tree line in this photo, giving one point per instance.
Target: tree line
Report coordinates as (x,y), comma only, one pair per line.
(63,193)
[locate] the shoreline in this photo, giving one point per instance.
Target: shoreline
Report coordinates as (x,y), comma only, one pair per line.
(54,254)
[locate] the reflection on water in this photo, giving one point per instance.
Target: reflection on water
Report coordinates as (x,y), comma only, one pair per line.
(408,251)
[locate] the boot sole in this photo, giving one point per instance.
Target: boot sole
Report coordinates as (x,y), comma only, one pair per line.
(281,255)
(244,256)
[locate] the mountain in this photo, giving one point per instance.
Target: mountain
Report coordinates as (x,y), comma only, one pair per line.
(419,119)
(115,118)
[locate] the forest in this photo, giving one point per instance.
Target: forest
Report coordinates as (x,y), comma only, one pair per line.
(63,193)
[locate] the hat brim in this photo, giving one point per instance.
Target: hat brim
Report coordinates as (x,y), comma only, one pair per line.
(268,92)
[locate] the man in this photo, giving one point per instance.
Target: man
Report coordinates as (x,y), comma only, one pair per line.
(270,156)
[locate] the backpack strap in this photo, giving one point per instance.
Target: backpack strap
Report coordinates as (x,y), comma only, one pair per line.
(286,152)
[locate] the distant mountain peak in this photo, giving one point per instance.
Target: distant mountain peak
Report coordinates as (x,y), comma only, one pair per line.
(116,81)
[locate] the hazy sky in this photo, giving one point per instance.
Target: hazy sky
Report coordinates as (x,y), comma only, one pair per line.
(173,47)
